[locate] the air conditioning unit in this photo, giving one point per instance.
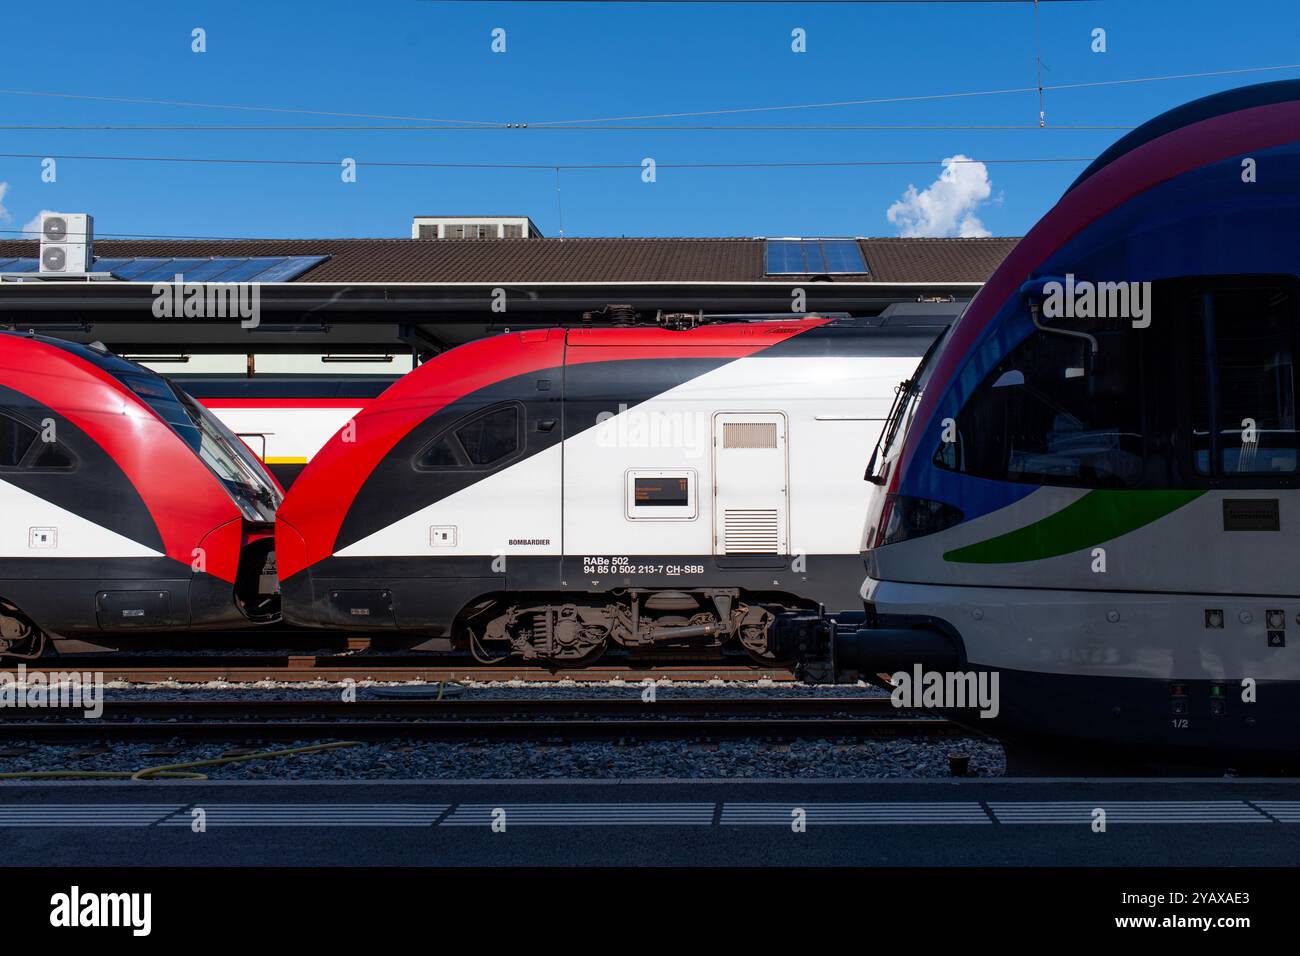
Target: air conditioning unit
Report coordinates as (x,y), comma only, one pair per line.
(67,243)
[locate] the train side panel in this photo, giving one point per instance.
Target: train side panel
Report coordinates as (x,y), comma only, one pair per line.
(533,470)
(735,475)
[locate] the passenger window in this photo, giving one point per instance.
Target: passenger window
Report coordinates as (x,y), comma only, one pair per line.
(1243,382)
(1053,413)
(485,440)
(15,439)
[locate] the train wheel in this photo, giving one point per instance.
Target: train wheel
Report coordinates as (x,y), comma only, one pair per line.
(768,659)
(756,633)
(593,654)
(19,638)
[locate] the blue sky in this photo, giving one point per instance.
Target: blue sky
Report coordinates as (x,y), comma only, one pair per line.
(578,61)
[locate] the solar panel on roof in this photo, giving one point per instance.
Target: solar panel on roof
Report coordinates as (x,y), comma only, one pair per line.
(159,270)
(211,270)
(843,255)
(250,269)
(290,267)
(784,257)
(814,257)
(206,269)
(117,266)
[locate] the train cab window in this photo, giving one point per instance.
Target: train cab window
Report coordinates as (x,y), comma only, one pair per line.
(51,455)
(491,437)
(441,454)
(1054,412)
(21,447)
(15,440)
(1243,382)
(486,439)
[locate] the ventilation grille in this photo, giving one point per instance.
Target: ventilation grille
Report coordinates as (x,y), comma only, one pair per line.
(749,435)
(751,531)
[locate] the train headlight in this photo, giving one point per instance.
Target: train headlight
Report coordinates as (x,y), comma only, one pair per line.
(906,517)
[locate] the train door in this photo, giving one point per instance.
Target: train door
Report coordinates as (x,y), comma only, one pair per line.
(751,484)
(1236,440)
(637,483)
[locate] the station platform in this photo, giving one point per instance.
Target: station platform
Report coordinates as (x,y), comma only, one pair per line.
(971,822)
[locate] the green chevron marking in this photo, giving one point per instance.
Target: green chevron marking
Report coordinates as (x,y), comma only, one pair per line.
(1096,517)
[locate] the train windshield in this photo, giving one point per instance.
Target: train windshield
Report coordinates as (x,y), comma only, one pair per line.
(225,455)
(221,450)
(900,413)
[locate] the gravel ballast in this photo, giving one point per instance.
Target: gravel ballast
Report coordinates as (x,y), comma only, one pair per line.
(895,757)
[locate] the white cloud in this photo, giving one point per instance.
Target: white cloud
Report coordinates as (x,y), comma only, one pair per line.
(33,228)
(947,206)
(5,214)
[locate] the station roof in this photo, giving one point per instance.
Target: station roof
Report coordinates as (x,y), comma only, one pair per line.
(369,294)
(578,261)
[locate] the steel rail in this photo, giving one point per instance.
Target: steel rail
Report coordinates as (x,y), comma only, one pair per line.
(191,670)
(631,730)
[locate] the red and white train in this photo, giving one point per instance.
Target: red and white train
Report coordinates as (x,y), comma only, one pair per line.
(548,493)
(124,504)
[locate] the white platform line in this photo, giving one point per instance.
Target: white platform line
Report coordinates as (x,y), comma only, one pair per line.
(849,814)
(1284,811)
(311,815)
(85,814)
(1152,812)
(581,814)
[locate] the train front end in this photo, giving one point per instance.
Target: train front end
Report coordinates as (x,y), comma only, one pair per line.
(1090,523)
(127,506)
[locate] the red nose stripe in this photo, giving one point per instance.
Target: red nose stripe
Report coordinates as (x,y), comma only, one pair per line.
(182,496)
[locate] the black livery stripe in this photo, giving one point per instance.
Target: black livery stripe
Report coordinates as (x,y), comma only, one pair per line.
(395,489)
(572,398)
(855,339)
(426,593)
(96,488)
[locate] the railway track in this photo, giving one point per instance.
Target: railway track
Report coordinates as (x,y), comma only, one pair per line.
(385,669)
(488,720)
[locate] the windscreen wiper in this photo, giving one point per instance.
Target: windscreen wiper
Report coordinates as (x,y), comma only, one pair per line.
(892,420)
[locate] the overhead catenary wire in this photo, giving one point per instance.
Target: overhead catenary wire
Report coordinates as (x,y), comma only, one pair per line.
(796,3)
(792,164)
(922,97)
(775,127)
